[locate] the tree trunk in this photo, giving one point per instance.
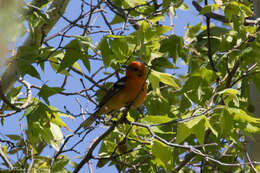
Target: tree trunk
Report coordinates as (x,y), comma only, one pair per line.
(253,145)
(57,8)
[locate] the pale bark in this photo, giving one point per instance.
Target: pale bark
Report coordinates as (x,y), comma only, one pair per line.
(56,9)
(253,146)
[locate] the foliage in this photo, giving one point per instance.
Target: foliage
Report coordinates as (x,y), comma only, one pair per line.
(198,120)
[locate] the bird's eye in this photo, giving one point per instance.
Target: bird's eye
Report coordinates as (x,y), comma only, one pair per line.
(135,69)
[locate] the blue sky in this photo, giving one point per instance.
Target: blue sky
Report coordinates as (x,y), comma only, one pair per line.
(51,78)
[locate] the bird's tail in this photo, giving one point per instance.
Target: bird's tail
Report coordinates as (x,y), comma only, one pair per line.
(90,120)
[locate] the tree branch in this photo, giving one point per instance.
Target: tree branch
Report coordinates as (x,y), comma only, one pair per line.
(6,160)
(222,18)
(24,106)
(209,42)
(91,148)
(211,14)
(188,157)
(54,12)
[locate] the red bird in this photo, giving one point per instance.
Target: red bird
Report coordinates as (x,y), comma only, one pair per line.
(131,88)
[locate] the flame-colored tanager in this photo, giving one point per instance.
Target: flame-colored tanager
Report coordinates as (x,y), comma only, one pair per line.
(129,90)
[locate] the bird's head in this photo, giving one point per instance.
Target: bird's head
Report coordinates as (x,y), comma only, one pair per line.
(136,69)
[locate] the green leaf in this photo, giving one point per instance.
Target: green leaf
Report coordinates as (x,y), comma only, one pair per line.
(54,115)
(133,3)
(122,49)
(84,43)
(208,126)
(231,9)
(155,83)
(102,162)
(250,128)
(29,53)
(234,117)
(40,127)
(25,67)
(73,164)
(14,137)
(47,91)
(166,78)
(14,92)
(60,163)
(13,97)
(163,154)
(117,19)
(75,50)
(182,133)
(246,9)
(234,8)
(226,123)
(107,146)
(185,102)
(156,119)
(72,54)
(106,52)
(57,136)
(174,45)
(214,31)
(174,3)
(209,8)
(197,87)
(193,122)
(208,75)
(129,118)
(55,60)
(199,129)
(249,29)
(156,104)
(191,31)
(161,30)
(230,94)
(190,88)
(196,126)
(155,77)
(43,3)
(14,151)
(242,116)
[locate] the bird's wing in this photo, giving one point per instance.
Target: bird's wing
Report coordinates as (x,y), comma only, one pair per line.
(118,86)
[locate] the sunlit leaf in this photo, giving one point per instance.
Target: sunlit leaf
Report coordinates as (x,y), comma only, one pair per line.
(155,119)
(155,77)
(162,153)
(46,92)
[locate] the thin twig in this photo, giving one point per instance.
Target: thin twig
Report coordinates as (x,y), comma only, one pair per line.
(32,162)
(91,148)
(65,142)
(209,42)
(189,147)
(251,165)
(5,159)
(107,23)
(7,102)
(188,157)
(222,18)
(90,167)
(246,74)
(211,14)
(25,105)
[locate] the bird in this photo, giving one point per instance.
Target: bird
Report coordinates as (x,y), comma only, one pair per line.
(129,90)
